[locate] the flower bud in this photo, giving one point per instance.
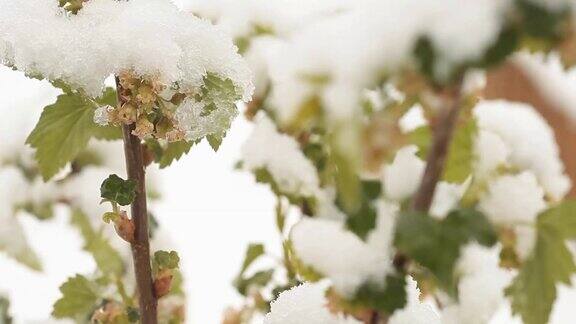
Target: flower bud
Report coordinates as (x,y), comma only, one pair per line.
(146,94)
(125,227)
(232,316)
(143,128)
(163,283)
(175,135)
(127,79)
(127,114)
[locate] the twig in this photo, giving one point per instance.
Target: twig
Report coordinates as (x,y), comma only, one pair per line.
(140,245)
(435,161)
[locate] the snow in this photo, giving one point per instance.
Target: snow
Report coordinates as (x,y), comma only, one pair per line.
(153,38)
(402,177)
(556,83)
(513,199)
(529,140)
(412,119)
(415,311)
(281,17)
(101,115)
(446,198)
(304,304)
(280,154)
(491,152)
(355,47)
(192,119)
(339,254)
(481,287)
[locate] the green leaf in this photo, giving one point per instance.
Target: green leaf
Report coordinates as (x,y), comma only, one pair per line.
(219,97)
(345,161)
(106,257)
(295,265)
(15,245)
(469,225)
(539,21)
(387,300)
(363,220)
(5,317)
(133,314)
(460,153)
(436,244)
(167,260)
(533,291)
(215,140)
(506,43)
(118,190)
(307,115)
(258,279)
(41,210)
(422,138)
(79,297)
(173,152)
(425,56)
(264,176)
(562,218)
(177,287)
(64,130)
(254,251)
(217,89)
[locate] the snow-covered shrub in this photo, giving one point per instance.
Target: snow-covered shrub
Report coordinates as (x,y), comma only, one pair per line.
(369,119)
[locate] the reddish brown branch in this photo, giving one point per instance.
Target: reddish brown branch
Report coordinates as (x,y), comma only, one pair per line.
(435,163)
(140,245)
(436,159)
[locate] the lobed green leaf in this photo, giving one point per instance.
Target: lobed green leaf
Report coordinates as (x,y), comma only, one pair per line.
(167,260)
(79,297)
(533,291)
(118,190)
(436,244)
(64,130)
(107,259)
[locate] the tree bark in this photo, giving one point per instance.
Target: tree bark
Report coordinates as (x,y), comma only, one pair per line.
(140,246)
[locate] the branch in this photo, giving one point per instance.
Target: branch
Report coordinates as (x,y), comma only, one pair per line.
(435,161)
(140,245)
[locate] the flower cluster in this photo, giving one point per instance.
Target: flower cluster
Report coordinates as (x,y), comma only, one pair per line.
(180,76)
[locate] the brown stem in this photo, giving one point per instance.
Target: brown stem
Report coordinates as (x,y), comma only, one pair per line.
(374,318)
(436,158)
(435,163)
(140,245)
